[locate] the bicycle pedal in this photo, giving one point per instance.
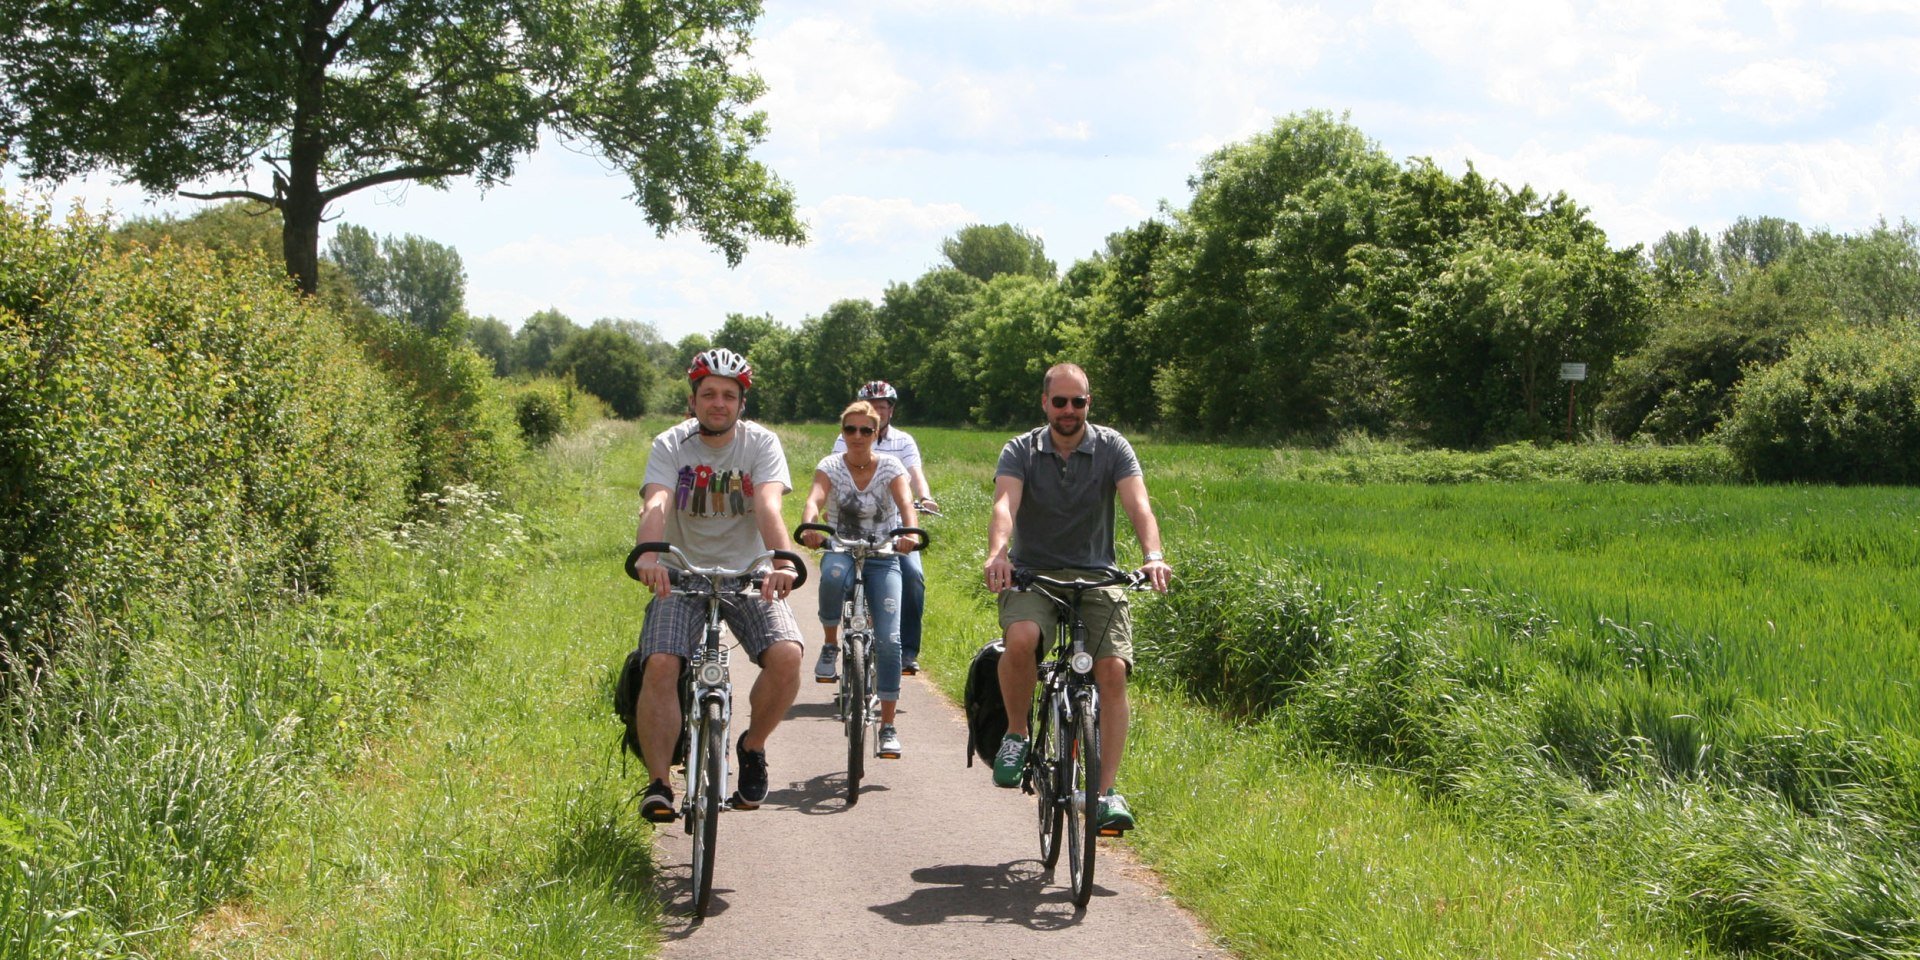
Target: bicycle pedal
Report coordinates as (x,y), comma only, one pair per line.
(886,755)
(820,679)
(1110,832)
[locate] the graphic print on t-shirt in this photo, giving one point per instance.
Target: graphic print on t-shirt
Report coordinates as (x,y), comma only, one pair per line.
(705,492)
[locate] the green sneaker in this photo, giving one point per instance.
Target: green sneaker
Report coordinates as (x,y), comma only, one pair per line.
(1011,759)
(1114,815)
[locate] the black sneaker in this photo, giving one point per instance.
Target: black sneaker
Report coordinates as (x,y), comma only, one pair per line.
(909,666)
(753,777)
(656,805)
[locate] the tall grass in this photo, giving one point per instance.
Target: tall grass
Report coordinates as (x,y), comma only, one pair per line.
(139,780)
(1706,694)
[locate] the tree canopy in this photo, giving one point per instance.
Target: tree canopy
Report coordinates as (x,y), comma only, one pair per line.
(306,102)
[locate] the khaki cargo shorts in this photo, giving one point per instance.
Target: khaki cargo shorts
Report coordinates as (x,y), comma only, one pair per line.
(1109,624)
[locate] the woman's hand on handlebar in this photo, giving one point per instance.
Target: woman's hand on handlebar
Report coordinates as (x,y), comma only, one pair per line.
(813,539)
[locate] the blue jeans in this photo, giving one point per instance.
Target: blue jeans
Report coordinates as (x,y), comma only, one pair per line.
(883,601)
(913,604)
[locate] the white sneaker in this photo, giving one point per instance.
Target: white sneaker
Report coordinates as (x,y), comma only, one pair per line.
(889,743)
(827,668)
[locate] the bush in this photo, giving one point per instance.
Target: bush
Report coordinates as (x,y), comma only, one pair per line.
(458,416)
(1843,407)
(546,408)
(170,422)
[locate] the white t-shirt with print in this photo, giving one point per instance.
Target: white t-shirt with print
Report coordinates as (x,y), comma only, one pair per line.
(861,513)
(711,516)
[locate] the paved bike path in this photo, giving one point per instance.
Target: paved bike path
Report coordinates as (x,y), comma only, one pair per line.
(807,876)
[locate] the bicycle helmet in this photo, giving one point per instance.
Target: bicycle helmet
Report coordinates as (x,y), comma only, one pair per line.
(721,362)
(878,390)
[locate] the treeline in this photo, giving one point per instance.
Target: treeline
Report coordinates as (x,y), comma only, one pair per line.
(1313,287)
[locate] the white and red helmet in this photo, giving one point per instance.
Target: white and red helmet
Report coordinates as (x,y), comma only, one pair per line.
(721,362)
(878,390)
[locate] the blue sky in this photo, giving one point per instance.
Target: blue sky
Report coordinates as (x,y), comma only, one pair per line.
(899,121)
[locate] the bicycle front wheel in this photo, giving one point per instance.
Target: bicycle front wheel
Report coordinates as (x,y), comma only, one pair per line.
(1046,780)
(1081,778)
(704,818)
(853,672)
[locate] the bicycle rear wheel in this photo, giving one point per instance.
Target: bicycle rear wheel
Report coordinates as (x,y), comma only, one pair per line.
(853,671)
(1046,779)
(1081,780)
(704,793)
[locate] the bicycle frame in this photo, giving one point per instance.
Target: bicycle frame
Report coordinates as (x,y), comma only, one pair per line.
(857,699)
(1063,764)
(706,697)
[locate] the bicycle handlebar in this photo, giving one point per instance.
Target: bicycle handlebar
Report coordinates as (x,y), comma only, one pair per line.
(1024,580)
(754,572)
(881,547)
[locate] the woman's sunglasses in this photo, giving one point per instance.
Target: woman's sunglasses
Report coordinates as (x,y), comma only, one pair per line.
(1079,402)
(850,429)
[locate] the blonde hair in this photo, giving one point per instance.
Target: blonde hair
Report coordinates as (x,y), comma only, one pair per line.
(861,408)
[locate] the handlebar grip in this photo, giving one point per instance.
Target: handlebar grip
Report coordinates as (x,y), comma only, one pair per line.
(633,558)
(912,532)
(817,527)
(799,566)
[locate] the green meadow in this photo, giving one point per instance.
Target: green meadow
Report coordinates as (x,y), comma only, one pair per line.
(1684,710)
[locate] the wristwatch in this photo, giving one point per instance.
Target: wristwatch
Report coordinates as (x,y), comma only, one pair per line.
(1153,555)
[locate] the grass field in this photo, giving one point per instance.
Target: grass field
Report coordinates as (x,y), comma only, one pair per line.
(1703,694)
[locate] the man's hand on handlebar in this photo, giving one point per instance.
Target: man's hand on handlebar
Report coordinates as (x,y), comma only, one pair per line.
(777,583)
(1158,573)
(999,573)
(650,572)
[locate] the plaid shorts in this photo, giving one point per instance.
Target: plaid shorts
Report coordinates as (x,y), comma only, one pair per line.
(676,625)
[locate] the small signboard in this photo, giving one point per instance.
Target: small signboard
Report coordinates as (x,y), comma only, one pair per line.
(1573,371)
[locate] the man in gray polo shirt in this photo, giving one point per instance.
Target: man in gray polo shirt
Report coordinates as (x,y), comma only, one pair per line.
(1053,496)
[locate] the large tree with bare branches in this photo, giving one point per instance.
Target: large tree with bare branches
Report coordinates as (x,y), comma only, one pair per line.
(301,102)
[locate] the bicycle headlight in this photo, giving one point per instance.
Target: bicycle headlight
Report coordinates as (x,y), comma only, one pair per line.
(1082,662)
(713,674)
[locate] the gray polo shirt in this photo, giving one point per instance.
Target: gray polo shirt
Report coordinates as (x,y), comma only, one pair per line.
(1065,518)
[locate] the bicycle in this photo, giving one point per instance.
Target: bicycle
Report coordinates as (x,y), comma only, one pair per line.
(1063,764)
(706,697)
(856,702)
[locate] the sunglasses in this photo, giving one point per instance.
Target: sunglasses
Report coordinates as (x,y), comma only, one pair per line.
(850,429)
(1060,403)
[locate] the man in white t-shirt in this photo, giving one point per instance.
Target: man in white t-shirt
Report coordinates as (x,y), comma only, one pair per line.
(913,576)
(713,487)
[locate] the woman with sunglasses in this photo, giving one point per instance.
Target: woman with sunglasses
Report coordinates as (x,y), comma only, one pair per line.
(864,495)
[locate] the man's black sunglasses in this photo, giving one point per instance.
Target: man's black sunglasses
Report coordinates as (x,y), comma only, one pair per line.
(851,429)
(1079,402)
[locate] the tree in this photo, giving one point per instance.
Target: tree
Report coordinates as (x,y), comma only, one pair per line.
(324,99)
(740,332)
(983,252)
(1122,346)
(913,321)
(411,279)
(1018,324)
(492,338)
(1251,281)
(540,337)
(607,361)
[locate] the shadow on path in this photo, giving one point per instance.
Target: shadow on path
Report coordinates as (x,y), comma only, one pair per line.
(1016,892)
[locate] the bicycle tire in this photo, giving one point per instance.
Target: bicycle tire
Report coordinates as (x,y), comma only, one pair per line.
(706,804)
(1045,767)
(853,667)
(1081,777)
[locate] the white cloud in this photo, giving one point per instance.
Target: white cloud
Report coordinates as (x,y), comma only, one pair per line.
(1776,91)
(1129,206)
(829,79)
(870,220)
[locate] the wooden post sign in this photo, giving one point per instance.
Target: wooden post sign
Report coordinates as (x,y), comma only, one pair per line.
(1572,373)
